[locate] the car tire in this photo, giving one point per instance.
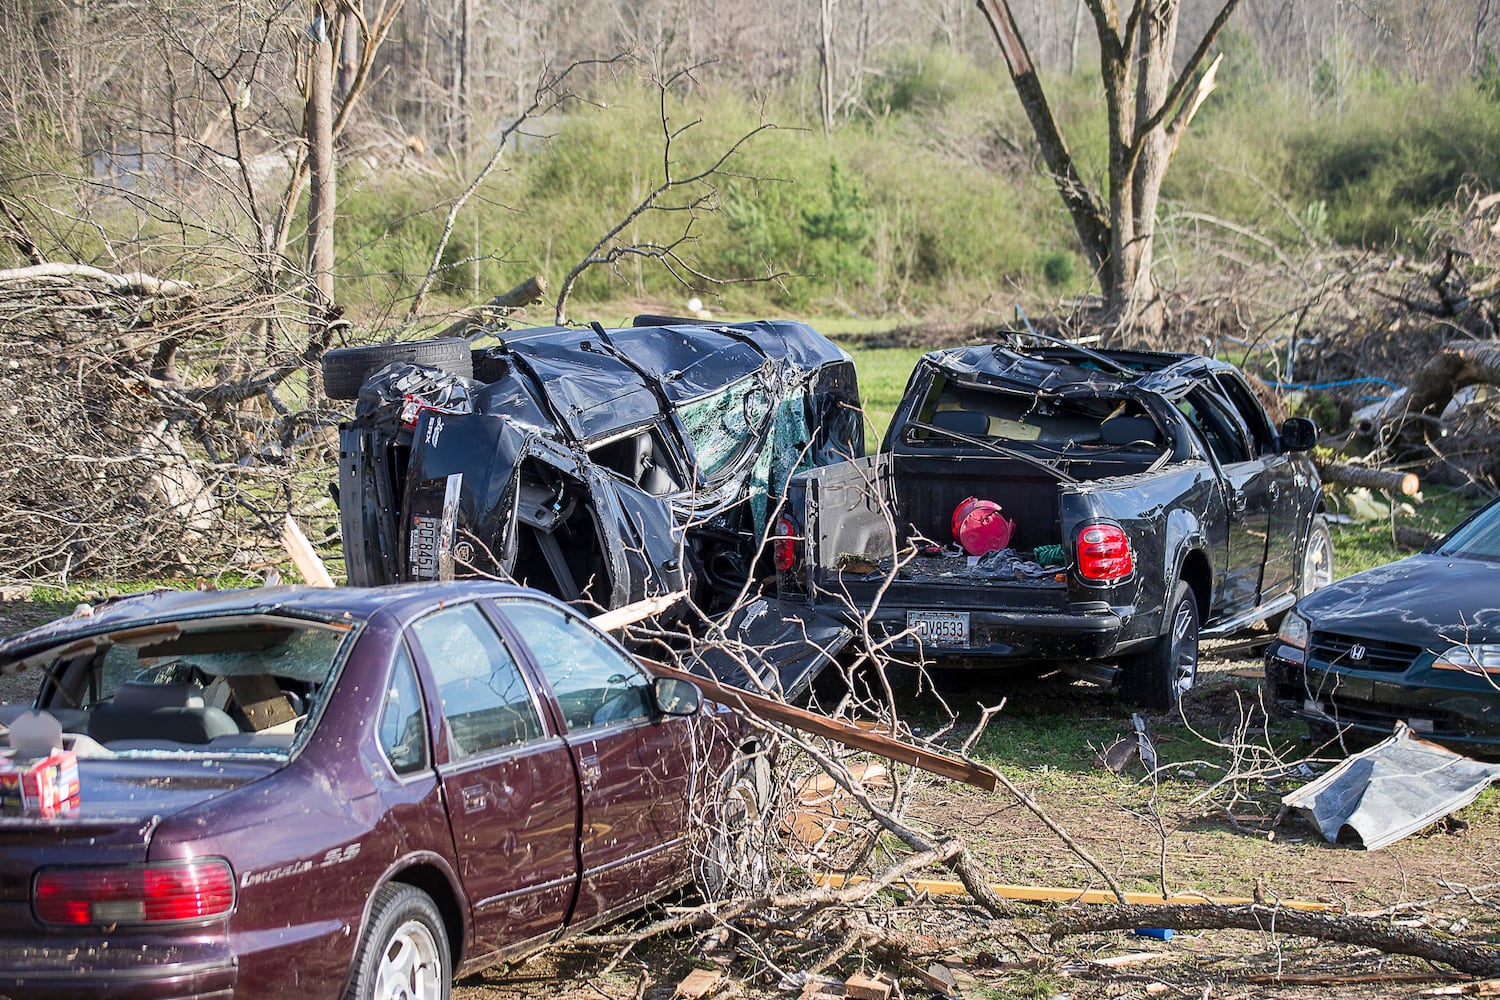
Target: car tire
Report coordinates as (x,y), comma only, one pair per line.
(1317,558)
(403,954)
(733,853)
(1158,678)
(346,368)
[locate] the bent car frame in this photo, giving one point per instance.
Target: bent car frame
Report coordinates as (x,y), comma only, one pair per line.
(599,465)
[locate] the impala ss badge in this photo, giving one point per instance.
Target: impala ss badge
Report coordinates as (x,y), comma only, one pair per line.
(1357,651)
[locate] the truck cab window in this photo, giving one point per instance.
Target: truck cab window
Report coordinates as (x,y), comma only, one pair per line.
(1221,431)
(1262,438)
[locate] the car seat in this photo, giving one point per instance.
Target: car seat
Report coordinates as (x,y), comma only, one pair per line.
(144,711)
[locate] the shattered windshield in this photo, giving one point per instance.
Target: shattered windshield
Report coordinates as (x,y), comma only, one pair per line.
(722,425)
(239,684)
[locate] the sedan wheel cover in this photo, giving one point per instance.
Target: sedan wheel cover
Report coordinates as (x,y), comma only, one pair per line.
(410,968)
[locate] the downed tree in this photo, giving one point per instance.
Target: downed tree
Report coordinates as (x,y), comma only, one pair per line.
(1470,957)
(1344,474)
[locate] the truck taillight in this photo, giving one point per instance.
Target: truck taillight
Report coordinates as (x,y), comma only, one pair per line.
(784,544)
(1104,553)
(134,894)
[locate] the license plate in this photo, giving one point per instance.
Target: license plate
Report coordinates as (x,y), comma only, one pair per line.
(940,628)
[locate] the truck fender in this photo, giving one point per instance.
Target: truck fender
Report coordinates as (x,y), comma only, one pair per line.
(1187,560)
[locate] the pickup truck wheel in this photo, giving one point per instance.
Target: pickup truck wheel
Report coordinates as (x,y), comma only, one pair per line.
(346,368)
(1317,558)
(734,850)
(404,952)
(1159,677)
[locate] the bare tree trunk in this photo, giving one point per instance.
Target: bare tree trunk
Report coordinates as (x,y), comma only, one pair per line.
(348,50)
(465,74)
(825,64)
(1134,294)
(320,206)
(1073,39)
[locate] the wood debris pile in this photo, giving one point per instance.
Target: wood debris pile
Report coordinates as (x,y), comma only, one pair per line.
(145,436)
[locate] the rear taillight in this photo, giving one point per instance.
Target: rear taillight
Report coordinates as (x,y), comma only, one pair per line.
(135,894)
(1104,553)
(784,545)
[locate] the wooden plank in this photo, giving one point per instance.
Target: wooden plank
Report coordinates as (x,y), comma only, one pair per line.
(303,555)
(846,733)
(609,621)
(1062,894)
(859,987)
(698,984)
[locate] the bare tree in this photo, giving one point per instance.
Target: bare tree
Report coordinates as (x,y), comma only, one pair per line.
(1148,111)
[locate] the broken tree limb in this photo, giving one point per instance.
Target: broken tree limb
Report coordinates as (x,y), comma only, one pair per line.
(771,710)
(1405,483)
(527,293)
(1063,894)
(1413,538)
(303,556)
(609,621)
(131,283)
(1473,958)
(1452,368)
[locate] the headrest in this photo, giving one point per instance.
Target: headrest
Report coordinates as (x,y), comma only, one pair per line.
(141,694)
(1128,430)
(962,421)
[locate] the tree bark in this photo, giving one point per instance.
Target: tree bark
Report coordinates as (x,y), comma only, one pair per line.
(348,49)
(1405,483)
(1454,367)
(1473,958)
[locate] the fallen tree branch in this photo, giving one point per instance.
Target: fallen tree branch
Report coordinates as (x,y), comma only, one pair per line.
(1473,958)
(1405,483)
(132,283)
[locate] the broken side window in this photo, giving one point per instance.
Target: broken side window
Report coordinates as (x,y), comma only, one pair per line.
(721,426)
(641,457)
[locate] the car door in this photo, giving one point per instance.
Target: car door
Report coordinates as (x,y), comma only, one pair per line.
(635,767)
(1247,497)
(1284,512)
(508,781)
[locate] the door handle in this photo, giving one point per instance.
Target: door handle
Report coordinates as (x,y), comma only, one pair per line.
(589,770)
(474,798)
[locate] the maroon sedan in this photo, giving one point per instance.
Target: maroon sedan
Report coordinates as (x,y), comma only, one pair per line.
(346,792)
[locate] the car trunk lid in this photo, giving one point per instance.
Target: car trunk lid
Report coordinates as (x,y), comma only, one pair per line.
(121,803)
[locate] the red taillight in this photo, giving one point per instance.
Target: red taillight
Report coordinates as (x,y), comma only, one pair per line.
(139,894)
(1104,553)
(784,544)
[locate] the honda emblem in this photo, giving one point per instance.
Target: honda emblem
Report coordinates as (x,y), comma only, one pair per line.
(1357,651)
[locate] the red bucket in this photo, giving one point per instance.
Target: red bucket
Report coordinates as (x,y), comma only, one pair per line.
(979,526)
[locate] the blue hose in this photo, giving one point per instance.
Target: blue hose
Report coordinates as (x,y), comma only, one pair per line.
(1392,386)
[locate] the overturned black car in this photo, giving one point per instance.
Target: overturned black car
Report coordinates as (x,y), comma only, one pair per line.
(599,465)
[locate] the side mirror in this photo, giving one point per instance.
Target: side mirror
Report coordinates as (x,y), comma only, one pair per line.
(676,697)
(1298,434)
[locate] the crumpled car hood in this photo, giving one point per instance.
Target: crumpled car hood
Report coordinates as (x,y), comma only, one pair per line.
(1408,600)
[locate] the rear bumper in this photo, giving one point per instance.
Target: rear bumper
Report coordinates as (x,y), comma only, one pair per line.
(1012,635)
(117,969)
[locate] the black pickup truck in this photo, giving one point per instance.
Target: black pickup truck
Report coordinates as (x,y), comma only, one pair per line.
(1147,499)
